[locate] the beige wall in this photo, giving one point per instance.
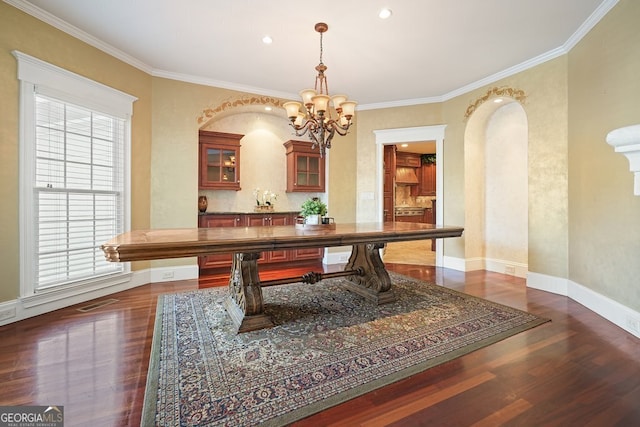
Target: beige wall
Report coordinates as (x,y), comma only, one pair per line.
(366,158)
(174,186)
(19,31)
(604,94)
(546,111)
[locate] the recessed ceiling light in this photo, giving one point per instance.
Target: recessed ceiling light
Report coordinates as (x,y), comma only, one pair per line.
(267,108)
(384,13)
(267,40)
(498,100)
(404,145)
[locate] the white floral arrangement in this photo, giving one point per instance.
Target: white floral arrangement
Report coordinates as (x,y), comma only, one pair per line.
(264,198)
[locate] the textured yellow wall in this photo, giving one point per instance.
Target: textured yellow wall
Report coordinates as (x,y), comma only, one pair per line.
(546,111)
(604,94)
(368,122)
(174,165)
(19,31)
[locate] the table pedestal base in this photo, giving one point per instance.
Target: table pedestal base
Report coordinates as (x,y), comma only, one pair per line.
(374,284)
(244,303)
(365,273)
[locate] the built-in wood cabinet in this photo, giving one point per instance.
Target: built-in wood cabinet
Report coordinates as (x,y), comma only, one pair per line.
(428,216)
(411,160)
(219,161)
(255,220)
(223,220)
(270,219)
(389,183)
(305,168)
(427,180)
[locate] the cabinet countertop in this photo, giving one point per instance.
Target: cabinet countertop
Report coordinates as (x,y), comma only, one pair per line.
(247,213)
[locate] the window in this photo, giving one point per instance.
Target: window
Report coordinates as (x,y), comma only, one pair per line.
(74,147)
(78,192)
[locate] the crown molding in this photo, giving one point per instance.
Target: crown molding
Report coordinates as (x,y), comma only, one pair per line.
(221,84)
(64,26)
(591,22)
(583,30)
(586,26)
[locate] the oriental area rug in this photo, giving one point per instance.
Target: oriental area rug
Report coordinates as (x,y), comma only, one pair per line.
(328,345)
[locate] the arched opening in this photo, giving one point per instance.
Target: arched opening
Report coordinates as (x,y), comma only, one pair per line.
(496,188)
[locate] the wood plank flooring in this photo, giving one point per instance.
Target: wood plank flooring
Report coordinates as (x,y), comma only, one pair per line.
(578,370)
(416,252)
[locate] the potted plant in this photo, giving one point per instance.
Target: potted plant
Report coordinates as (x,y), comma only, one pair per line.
(313,210)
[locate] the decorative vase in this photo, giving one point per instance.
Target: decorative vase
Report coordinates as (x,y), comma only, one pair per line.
(203,203)
(313,219)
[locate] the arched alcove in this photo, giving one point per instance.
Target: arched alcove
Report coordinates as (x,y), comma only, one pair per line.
(496,188)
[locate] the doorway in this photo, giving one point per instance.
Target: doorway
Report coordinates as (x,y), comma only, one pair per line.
(413,135)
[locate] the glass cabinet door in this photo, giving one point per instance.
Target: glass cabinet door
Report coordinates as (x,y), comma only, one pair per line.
(219,161)
(221,165)
(308,170)
(305,167)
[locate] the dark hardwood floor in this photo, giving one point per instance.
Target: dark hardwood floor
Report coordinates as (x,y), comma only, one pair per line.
(578,370)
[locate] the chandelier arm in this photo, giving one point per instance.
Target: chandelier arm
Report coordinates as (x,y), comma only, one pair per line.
(300,130)
(342,130)
(332,132)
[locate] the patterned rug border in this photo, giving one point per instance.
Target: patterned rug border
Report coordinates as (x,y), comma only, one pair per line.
(150,398)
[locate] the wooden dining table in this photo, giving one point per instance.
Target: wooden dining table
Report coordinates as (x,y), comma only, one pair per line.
(365,272)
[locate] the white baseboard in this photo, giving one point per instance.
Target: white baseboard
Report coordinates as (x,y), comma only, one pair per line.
(341,257)
(613,311)
(462,264)
(616,313)
(547,283)
(454,263)
(24,308)
(169,274)
(510,268)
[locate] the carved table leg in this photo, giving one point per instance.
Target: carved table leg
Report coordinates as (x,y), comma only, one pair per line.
(375,284)
(244,302)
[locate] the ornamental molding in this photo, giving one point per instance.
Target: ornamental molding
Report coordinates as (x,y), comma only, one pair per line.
(245,101)
(626,141)
(494,92)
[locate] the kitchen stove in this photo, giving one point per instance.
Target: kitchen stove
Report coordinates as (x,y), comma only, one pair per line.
(409,211)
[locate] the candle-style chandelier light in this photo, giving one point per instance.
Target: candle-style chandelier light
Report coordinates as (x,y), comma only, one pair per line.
(317,118)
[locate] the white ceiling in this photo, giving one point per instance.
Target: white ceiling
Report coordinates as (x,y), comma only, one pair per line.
(428,51)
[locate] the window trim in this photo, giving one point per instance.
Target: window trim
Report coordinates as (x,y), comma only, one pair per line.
(73,88)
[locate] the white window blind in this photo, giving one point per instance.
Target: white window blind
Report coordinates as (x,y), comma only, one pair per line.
(78,192)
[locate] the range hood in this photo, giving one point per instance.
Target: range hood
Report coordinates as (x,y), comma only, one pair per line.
(406,176)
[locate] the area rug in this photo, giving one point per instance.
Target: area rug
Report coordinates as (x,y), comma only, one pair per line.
(328,346)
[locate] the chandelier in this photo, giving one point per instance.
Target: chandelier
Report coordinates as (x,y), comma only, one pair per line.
(317,118)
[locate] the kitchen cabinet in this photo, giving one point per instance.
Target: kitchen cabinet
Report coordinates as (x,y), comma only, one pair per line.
(255,220)
(427,180)
(411,160)
(223,220)
(428,216)
(305,168)
(219,166)
(388,195)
